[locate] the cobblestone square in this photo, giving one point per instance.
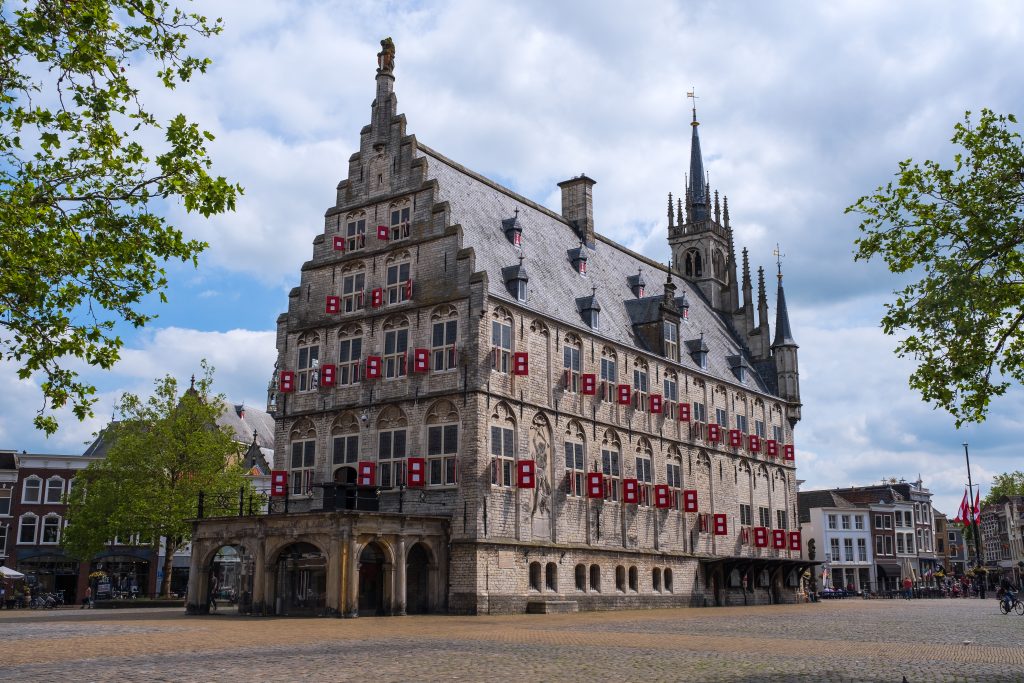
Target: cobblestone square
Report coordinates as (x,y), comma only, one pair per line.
(849,640)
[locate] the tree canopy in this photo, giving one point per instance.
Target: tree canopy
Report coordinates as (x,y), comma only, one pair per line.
(86,172)
(1005,484)
(960,231)
(164,451)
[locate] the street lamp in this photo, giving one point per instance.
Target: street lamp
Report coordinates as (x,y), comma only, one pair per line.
(976,527)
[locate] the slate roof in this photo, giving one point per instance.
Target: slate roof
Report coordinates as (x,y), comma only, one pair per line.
(479,206)
(243,420)
(809,500)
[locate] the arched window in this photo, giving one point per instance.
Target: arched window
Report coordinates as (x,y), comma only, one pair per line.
(54,490)
(693,265)
(535,576)
(609,373)
(575,459)
(303,457)
(353,284)
(572,363)
(398,285)
(633,582)
(671,393)
(400,220)
(644,456)
(674,474)
(442,444)
(611,451)
(392,432)
(396,346)
(27,526)
(32,490)
(307,361)
(595,578)
(51,530)
(350,354)
(656,579)
(640,384)
(443,338)
(581,577)
(501,340)
(620,579)
(668,579)
(345,440)
(355,231)
(503,451)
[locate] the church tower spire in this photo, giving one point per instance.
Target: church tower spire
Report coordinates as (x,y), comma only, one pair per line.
(784,353)
(698,191)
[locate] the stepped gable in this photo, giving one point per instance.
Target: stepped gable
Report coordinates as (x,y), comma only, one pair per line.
(479,206)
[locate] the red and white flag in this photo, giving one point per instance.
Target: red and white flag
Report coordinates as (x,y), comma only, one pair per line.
(961,514)
(977,504)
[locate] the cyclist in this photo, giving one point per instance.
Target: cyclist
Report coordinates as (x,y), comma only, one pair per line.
(1009,594)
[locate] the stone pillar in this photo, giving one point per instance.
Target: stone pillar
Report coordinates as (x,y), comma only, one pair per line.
(352,567)
(259,577)
(400,580)
(197,582)
(333,601)
(388,587)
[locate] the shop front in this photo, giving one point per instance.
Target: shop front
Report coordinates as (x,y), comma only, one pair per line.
(51,573)
(122,575)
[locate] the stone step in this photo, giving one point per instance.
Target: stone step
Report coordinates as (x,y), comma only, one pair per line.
(551,606)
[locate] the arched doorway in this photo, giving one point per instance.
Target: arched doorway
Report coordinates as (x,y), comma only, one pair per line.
(301,580)
(417,580)
(345,475)
(232,567)
(371,581)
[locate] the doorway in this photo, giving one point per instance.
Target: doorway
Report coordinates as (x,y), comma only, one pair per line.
(417,580)
(371,581)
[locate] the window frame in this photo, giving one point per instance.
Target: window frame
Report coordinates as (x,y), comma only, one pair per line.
(51,523)
(25,498)
(444,461)
(307,361)
(34,518)
(444,356)
(395,283)
(353,289)
(502,354)
(401,219)
(300,478)
(503,456)
(355,234)
(395,362)
(391,458)
(349,364)
(49,488)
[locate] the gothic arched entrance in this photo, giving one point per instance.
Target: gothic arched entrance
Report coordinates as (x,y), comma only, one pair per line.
(301,580)
(345,475)
(371,581)
(417,580)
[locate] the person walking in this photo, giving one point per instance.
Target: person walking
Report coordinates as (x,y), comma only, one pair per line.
(87,600)
(211,599)
(908,587)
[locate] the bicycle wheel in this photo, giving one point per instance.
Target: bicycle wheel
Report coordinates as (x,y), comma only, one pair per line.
(1003,607)
(1019,606)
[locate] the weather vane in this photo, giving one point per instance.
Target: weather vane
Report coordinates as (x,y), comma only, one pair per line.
(692,94)
(777,253)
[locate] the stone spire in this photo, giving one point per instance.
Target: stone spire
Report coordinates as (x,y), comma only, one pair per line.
(697,194)
(718,209)
(725,210)
(679,211)
(748,296)
(783,333)
(386,104)
(762,306)
(671,213)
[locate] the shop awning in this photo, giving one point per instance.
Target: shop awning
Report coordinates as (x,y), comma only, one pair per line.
(8,573)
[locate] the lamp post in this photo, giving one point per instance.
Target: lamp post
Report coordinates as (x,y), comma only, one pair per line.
(976,527)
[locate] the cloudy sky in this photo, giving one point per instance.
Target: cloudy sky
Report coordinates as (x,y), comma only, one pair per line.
(804,106)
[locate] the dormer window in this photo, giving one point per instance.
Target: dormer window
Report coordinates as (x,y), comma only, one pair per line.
(740,367)
(590,309)
(671,337)
(637,284)
(578,257)
(513,230)
(684,307)
(516,280)
(698,351)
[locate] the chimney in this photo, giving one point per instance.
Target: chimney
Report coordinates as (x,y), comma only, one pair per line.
(578,206)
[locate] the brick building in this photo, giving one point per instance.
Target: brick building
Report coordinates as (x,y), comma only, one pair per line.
(552,420)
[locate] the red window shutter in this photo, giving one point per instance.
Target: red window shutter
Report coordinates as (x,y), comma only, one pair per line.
(377,297)
(517,238)
(721,525)
(754,443)
(417,469)
(625,394)
(520,363)
(655,403)
(690,500)
(327,375)
(367,473)
(278,483)
(373,364)
(714,433)
(778,539)
(794,541)
(287,383)
(745,536)
(772,448)
(630,492)
(589,384)
(583,267)
(662,496)
(684,412)
(383,233)
(760,536)
(408,290)
(339,243)
(735,438)
(789,453)
(333,304)
(421,360)
(526,474)
(595,485)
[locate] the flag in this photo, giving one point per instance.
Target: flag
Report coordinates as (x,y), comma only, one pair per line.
(961,514)
(977,504)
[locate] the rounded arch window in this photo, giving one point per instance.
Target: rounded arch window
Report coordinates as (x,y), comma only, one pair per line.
(668,580)
(620,579)
(595,578)
(535,576)
(551,576)
(633,580)
(656,579)
(581,577)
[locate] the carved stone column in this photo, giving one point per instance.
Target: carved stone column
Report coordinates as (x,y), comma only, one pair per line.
(197,583)
(400,580)
(352,568)
(259,578)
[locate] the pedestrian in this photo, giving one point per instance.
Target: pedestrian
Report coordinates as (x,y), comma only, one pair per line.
(908,586)
(3,595)
(87,600)
(211,600)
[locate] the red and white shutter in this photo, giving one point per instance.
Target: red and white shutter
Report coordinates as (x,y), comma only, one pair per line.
(778,539)
(333,304)
(408,290)
(684,412)
(655,403)
(367,473)
(690,500)
(383,233)
(714,432)
(595,485)
(788,452)
(327,373)
(630,491)
(278,483)
(735,438)
(416,473)
(662,496)
(373,364)
(761,537)
(421,360)
(589,384)
(526,474)
(339,243)
(794,541)
(520,363)
(624,394)
(754,443)
(721,525)
(287,383)
(771,448)
(377,297)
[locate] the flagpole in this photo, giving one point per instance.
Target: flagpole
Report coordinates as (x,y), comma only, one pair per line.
(976,527)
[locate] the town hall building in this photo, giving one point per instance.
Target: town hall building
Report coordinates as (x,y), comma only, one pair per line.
(483,405)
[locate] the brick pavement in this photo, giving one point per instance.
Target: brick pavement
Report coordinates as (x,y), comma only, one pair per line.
(850,640)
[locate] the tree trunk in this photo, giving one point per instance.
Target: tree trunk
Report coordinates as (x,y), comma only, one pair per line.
(170,547)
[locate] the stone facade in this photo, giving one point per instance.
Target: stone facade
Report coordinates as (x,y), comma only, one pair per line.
(446,322)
